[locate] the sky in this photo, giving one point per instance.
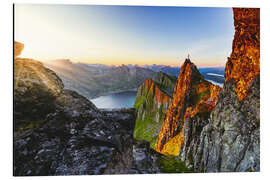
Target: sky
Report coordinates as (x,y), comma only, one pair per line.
(125,34)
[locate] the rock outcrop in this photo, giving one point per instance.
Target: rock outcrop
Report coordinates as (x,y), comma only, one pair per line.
(231,140)
(165,81)
(148,161)
(35,90)
(59,132)
(152,100)
(18,48)
(145,160)
(244,63)
(193,100)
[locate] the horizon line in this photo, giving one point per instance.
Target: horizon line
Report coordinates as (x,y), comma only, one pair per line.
(120,64)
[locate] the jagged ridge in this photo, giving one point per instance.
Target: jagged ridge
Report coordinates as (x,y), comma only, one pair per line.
(192,95)
(152,100)
(230,140)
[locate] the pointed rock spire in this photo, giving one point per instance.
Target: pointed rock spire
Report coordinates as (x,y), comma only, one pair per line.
(191,95)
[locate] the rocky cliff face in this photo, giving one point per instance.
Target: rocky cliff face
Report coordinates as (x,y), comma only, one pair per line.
(165,81)
(231,140)
(220,132)
(193,100)
(152,100)
(244,63)
(59,132)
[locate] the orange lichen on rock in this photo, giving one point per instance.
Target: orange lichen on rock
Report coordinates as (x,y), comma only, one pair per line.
(192,95)
(244,63)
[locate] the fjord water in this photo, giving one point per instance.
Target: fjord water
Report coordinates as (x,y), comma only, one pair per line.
(124,99)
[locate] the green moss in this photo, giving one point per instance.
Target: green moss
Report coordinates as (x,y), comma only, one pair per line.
(172,164)
(202,170)
(139,101)
(146,129)
(161,113)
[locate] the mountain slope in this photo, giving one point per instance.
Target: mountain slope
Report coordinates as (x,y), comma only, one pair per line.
(193,96)
(224,135)
(152,100)
(59,132)
(99,80)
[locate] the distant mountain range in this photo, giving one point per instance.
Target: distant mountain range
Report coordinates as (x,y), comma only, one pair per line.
(93,80)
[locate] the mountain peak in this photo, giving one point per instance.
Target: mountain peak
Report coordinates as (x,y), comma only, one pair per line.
(188,61)
(189,65)
(192,95)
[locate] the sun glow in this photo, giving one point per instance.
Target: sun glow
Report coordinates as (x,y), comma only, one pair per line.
(116,35)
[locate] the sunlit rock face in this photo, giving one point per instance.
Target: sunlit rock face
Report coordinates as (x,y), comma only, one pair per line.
(152,101)
(35,89)
(18,48)
(193,97)
(244,63)
(231,140)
